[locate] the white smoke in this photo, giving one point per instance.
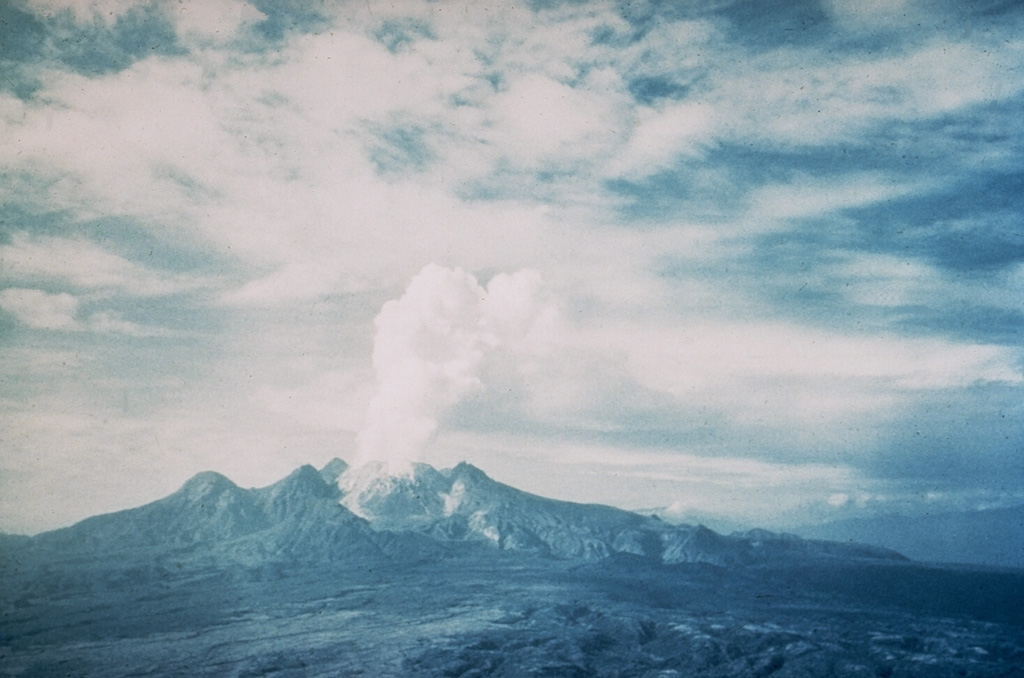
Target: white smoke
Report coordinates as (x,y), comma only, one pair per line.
(430,348)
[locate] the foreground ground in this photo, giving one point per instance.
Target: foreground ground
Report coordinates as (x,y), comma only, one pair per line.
(508,615)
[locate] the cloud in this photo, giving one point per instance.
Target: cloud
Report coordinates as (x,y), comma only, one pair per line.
(661,136)
(888,281)
(797,388)
(809,196)
(712,351)
(250,166)
(41,310)
(156,118)
(782,392)
(540,122)
(218,20)
(59,311)
(77,447)
(430,348)
(109,322)
(39,361)
(85,265)
(955,439)
(782,99)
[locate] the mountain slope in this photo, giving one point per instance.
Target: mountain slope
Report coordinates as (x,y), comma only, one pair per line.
(207,508)
(463,504)
(211,521)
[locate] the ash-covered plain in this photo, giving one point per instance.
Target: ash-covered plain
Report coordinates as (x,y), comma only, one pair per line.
(361,571)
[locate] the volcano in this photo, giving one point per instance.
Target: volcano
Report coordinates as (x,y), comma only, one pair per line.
(421,571)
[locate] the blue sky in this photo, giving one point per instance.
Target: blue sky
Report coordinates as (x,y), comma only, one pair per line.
(760,261)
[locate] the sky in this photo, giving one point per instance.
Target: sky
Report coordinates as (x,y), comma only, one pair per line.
(757,262)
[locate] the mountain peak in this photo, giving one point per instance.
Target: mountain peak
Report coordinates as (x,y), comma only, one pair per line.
(332,470)
(293,495)
(466,470)
(303,479)
(206,483)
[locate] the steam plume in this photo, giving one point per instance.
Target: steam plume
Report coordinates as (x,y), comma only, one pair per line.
(429,349)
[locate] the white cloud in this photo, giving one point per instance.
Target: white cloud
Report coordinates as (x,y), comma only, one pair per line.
(798,386)
(679,51)
(539,121)
(41,310)
(908,285)
(118,144)
(59,311)
(810,196)
(341,78)
(218,19)
(83,264)
(765,374)
(270,164)
(109,322)
(793,97)
(702,353)
(266,160)
(886,280)
(661,136)
(942,78)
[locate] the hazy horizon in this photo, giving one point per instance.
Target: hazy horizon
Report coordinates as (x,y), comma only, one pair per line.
(759,263)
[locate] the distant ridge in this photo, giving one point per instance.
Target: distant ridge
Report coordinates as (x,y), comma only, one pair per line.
(982,537)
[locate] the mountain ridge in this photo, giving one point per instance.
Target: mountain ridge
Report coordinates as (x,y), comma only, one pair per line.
(341,513)
(468,505)
(210,520)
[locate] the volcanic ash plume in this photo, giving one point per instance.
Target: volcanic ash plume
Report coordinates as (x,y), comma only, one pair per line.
(430,347)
